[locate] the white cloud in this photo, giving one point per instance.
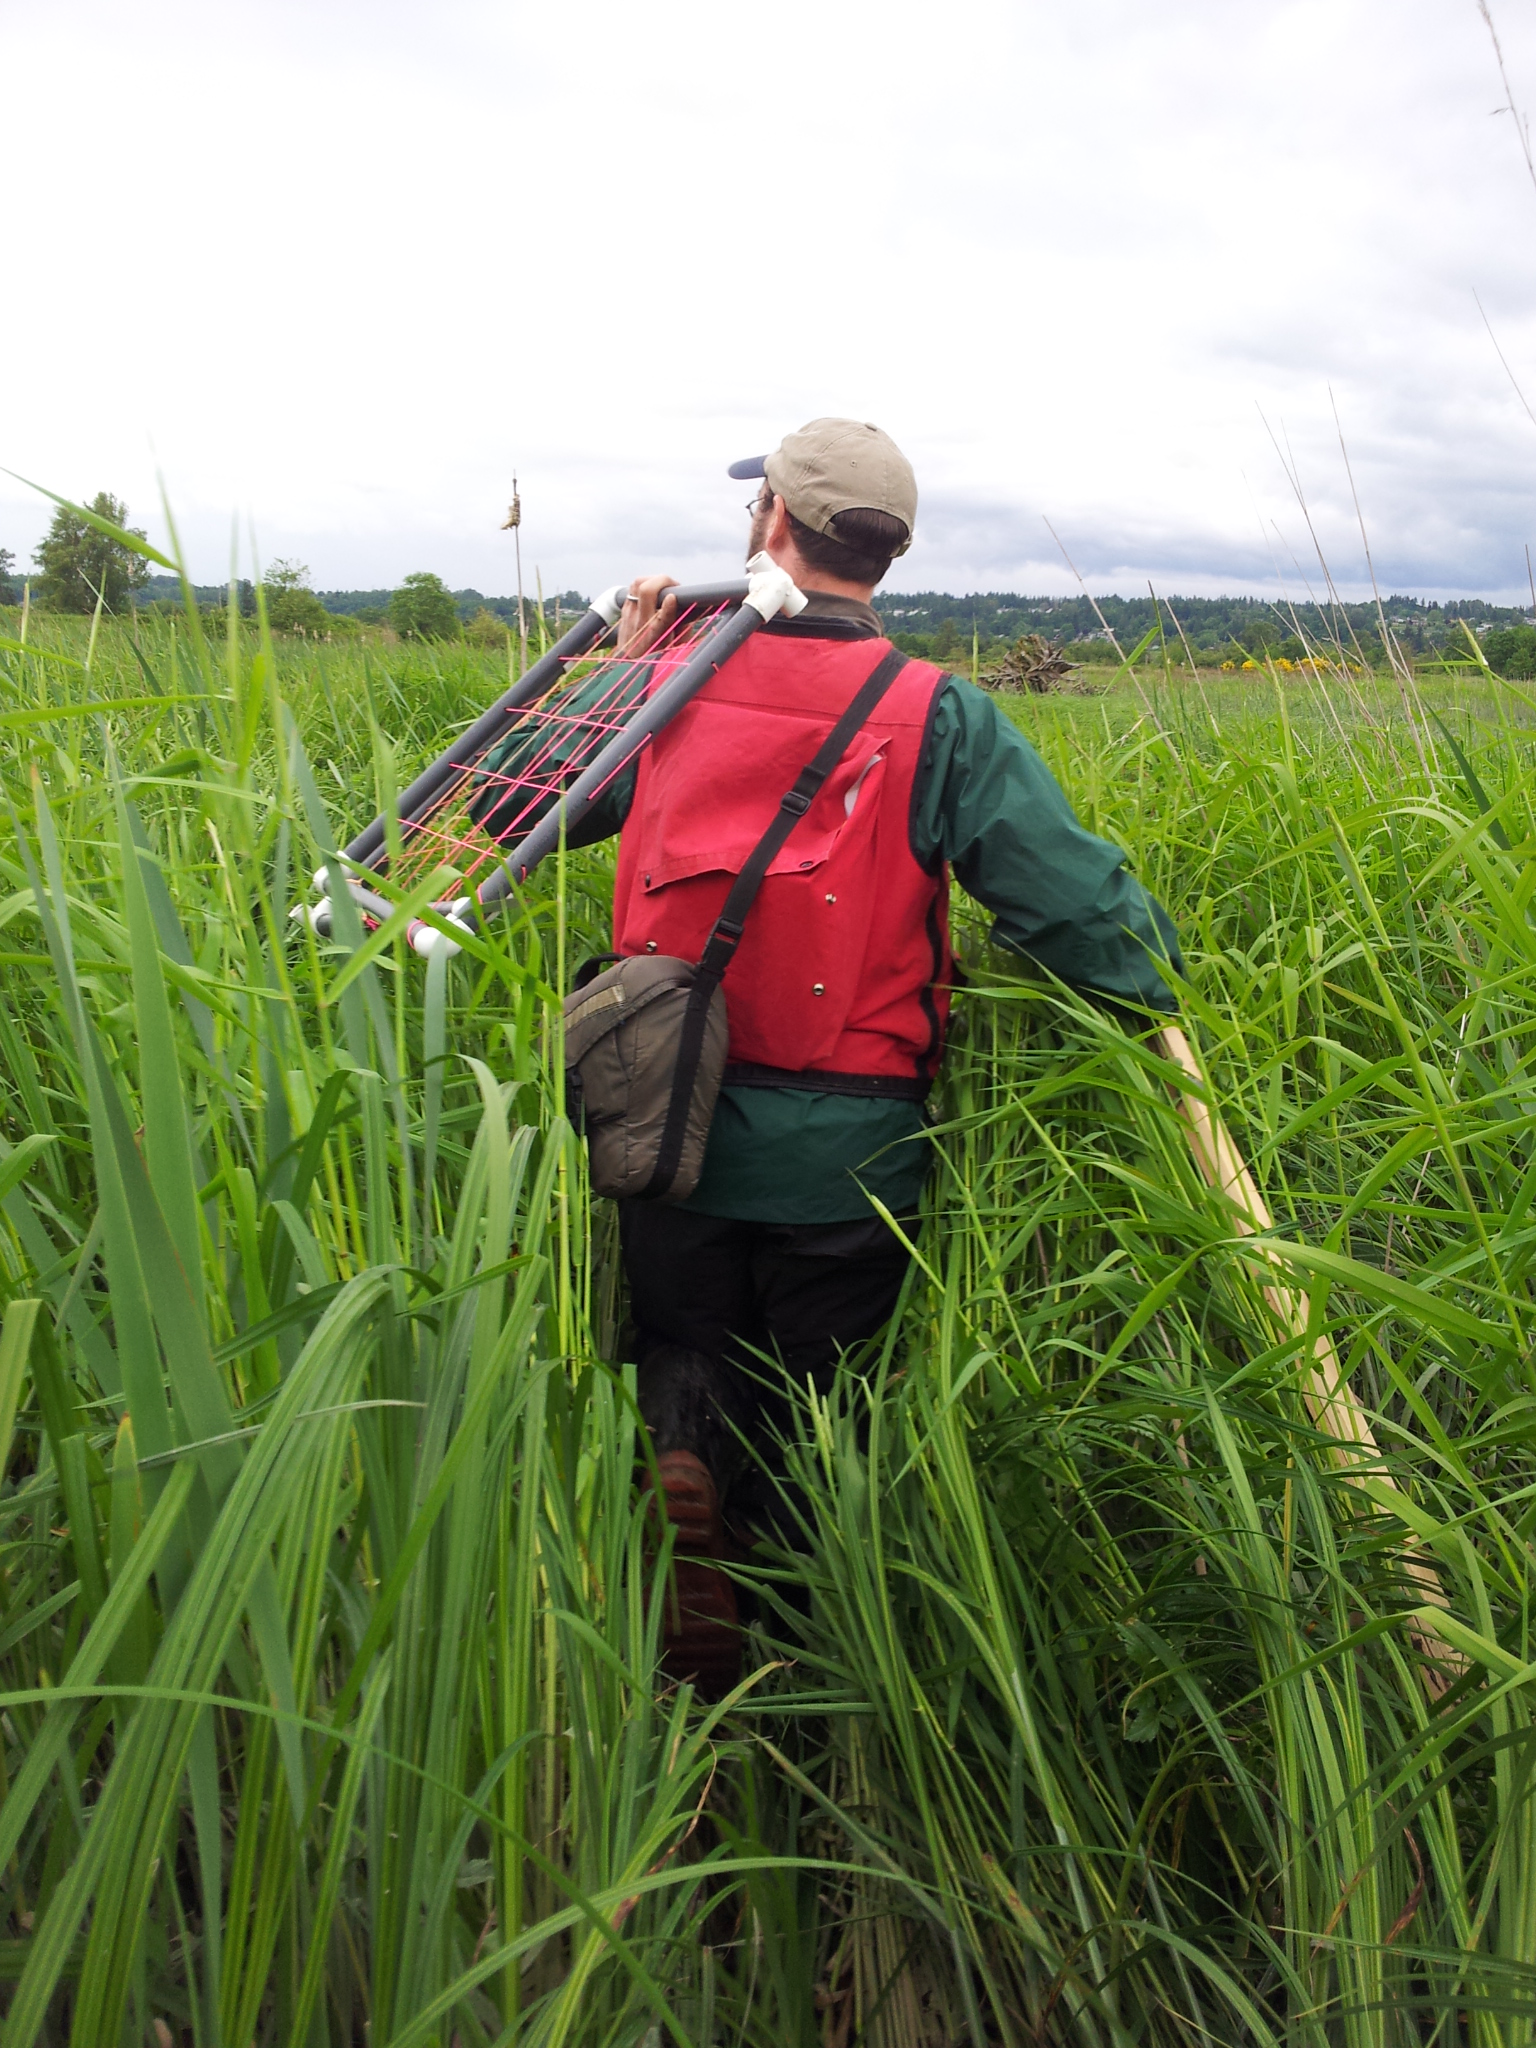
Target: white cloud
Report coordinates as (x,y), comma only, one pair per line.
(339,268)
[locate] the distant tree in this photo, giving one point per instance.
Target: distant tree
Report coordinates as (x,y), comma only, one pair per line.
(78,563)
(292,607)
(1509,651)
(423,609)
(1368,649)
(9,594)
(1267,640)
(298,611)
(920,644)
(946,640)
(216,616)
(486,630)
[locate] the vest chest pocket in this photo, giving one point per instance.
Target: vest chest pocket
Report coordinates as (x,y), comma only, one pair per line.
(839,825)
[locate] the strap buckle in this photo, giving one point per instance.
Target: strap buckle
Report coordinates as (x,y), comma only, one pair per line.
(795,802)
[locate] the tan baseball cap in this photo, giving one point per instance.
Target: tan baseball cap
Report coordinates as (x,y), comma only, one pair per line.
(834,466)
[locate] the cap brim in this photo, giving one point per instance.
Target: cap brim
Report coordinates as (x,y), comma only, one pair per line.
(750,465)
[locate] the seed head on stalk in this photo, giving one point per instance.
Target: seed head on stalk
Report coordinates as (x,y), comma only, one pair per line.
(511,524)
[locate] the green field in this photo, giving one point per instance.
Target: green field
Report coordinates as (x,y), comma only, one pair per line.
(1089,1711)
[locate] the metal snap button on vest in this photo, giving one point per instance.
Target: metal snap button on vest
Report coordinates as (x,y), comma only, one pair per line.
(831,899)
(650,945)
(818,988)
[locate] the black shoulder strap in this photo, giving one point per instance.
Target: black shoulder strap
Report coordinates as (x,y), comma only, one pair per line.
(720,948)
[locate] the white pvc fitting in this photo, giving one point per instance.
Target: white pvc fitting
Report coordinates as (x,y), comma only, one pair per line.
(611,602)
(428,939)
(771,589)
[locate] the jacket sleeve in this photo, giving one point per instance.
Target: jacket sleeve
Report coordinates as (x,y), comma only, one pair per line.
(986,803)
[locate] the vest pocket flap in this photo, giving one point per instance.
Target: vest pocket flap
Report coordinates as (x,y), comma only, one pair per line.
(844,808)
(617,995)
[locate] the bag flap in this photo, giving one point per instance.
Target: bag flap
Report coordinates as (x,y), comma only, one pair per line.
(615,996)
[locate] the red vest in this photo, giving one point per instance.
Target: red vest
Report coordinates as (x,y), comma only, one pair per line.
(845,963)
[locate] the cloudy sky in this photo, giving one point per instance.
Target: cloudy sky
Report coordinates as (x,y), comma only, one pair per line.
(336,269)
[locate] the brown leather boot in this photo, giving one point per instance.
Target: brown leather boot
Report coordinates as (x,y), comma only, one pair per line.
(700,1637)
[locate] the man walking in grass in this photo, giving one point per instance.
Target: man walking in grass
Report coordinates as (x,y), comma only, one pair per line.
(838,995)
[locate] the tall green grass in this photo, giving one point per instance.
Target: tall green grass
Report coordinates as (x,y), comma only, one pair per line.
(1086,1708)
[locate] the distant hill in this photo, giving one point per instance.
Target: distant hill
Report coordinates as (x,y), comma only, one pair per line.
(936,622)
(1208,623)
(571,603)
(349,602)
(169,588)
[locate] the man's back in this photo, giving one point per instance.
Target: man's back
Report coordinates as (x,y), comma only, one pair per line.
(842,972)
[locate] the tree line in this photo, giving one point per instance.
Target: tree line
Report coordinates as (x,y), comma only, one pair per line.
(940,627)
(78,565)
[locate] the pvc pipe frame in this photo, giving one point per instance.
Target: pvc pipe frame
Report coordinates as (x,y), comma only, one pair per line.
(1331,1401)
(588,632)
(463,752)
(768,591)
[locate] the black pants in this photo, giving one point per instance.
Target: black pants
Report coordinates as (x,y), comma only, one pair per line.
(710,1294)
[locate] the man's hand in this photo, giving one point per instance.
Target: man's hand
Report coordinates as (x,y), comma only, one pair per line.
(646,614)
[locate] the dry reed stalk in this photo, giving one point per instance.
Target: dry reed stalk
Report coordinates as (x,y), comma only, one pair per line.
(1331,1401)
